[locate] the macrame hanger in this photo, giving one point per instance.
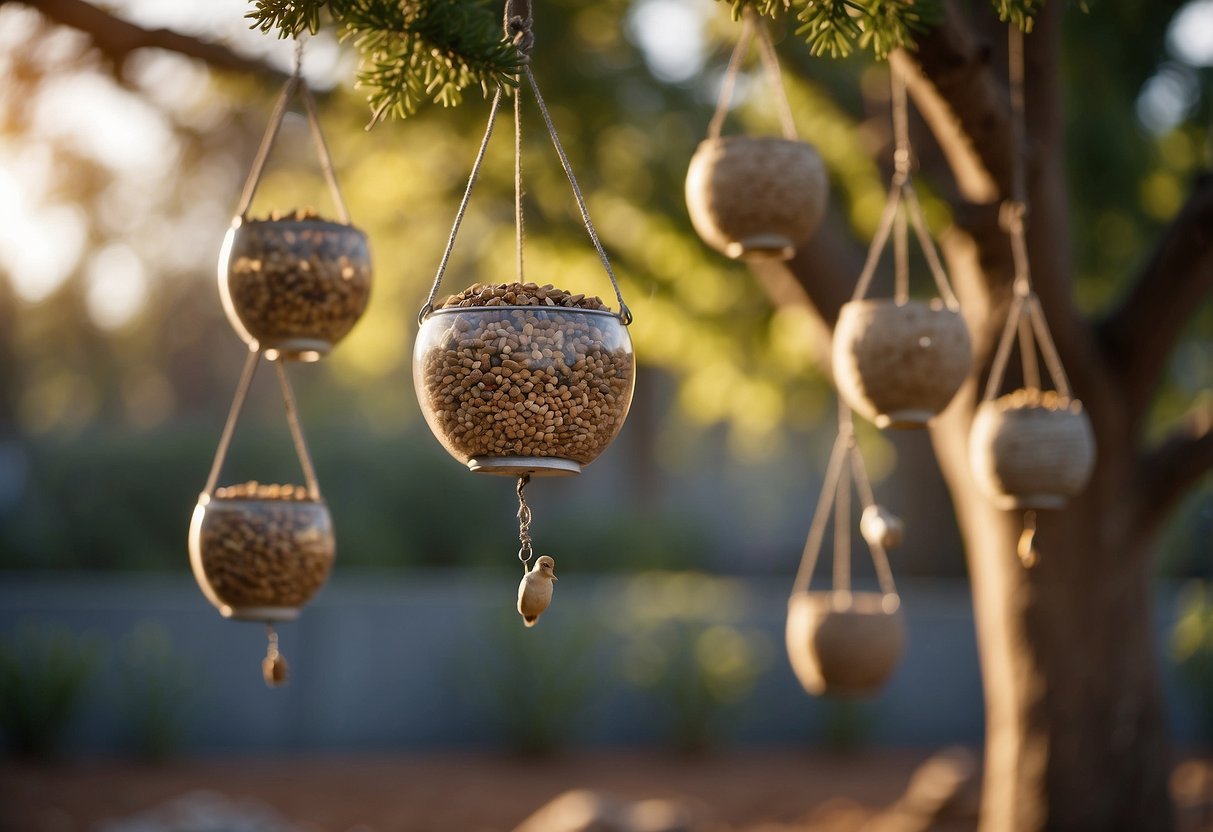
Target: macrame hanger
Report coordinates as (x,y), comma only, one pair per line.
(753,23)
(292,418)
(625,314)
(233,416)
(836,495)
(903,210)
(294,84)
(729,81)
(770,60)
(428,306)
(1025,317)
(518,30)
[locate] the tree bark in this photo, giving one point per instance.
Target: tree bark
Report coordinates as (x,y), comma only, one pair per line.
(1075,734)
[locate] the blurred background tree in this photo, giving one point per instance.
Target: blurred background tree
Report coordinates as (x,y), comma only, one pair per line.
(127,131)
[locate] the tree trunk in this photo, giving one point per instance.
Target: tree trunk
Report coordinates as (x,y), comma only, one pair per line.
(1075,734)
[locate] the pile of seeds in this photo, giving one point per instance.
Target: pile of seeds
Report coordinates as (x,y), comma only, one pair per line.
(1031,397)
(519,294)
(274,548)
(297,276)
(539,381)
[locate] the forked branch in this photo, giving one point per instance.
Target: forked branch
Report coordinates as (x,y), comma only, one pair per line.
(1138,334)
(1175,465)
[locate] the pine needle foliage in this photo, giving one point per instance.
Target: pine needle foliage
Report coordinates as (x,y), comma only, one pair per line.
(412,51)
(432,50)
(836,27)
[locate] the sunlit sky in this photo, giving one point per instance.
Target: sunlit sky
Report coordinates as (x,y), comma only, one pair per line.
(43,239)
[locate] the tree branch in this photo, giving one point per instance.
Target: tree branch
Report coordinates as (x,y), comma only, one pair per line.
(964,104)
(116,38)
(821,276)
(1169,469)
(1138,334)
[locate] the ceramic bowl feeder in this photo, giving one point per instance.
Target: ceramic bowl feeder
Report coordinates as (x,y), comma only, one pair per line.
(1032,448)
(755,197)
(841,642)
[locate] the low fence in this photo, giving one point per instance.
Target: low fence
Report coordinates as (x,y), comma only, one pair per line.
(418,660)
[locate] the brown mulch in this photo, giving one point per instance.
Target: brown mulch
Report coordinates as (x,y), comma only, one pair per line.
(465,792)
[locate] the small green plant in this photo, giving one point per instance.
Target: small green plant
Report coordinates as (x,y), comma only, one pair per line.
(1192,647)
(685,647)
(846,725)
(529,685)
(156,688)
(44,670)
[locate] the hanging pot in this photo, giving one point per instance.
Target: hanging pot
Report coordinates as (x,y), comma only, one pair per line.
(756,198)
(899,364)
(260,552)
(844,643)
(1031,450)
(294,286)
(520,379)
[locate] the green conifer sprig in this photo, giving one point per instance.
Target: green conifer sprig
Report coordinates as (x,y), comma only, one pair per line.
(411,50)
(418,50)
(837,27)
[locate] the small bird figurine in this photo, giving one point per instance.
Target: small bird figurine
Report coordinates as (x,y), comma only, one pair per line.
(535,590)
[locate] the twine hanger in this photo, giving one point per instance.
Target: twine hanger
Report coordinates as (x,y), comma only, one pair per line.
(751,23)
(894,221)
(518,29)
(1025,317)
(292,418)
(836,494)
(294,84)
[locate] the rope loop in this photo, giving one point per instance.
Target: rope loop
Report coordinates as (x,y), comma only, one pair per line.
(1013,216)
(518,30)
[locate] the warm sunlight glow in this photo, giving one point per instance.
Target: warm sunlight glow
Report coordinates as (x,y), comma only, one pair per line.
(117,286)
(39,244)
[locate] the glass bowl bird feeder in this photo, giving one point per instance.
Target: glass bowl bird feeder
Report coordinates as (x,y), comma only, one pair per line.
(525,388)
(516,378)
(897,361)
(841,642)
(755,197)
(294,284)
(261,552)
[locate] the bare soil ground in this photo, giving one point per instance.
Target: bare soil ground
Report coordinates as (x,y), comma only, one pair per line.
(751,790)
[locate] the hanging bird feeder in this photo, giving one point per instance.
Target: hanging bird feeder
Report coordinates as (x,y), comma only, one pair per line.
(755,197)
(899,361)
(294,284)
(517,378)
(1032,448)
(841,642)
(261,552)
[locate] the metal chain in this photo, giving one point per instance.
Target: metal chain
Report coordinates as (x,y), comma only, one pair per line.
(525,549)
